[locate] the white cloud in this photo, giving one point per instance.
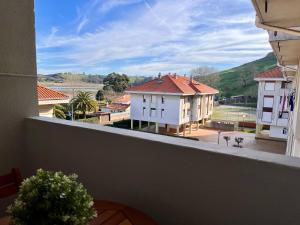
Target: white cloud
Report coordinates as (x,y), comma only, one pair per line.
(82,23)
(108,5)
(175,35)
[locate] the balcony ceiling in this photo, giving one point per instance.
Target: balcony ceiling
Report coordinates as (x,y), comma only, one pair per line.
(282,13)
(287,51)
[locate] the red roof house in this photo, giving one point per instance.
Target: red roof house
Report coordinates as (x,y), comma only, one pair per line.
(47,98)
(45,93)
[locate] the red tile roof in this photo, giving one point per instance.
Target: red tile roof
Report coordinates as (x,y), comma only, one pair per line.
(123,98)
(117,106)
(48,94)
(173,84)
(273,73)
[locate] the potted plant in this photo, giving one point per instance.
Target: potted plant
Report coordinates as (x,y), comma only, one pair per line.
(52,198)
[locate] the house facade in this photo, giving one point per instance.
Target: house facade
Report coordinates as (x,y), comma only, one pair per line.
(47,98)
(171,101)
(272,104)
(281,20)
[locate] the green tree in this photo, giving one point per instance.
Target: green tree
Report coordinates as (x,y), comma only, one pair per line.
(116,82)
(59,111)
(84,102)
(100,95)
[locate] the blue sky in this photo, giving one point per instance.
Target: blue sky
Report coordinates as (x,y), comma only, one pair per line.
(145,37)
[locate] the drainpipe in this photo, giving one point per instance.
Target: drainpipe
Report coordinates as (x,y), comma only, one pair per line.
(260,24)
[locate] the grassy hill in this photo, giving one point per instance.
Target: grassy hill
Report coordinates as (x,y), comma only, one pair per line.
(239,80)
(72,78)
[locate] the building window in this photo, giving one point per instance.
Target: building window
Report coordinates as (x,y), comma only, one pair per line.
(162,100)
(285,131)
(269,86)
(268,101)
(162,113)
(144,108)
(152,112)
(144,99)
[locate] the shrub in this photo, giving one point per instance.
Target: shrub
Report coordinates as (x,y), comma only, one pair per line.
(52,198)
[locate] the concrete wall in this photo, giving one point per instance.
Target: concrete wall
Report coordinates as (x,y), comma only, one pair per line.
(17,78)
(176,181)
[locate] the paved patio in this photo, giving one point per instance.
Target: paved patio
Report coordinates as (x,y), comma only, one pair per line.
(209,135)
(249,140)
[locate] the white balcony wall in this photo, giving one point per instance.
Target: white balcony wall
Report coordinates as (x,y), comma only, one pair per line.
(176,181)
(278,132)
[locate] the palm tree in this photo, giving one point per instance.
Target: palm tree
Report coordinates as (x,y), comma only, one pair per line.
(84,102)
(59,111)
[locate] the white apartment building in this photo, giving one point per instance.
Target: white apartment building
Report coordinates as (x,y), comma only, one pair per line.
(272,104)
(171,101)
(281,20)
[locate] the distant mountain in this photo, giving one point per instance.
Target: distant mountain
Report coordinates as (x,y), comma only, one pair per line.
(71,77)
(239,80)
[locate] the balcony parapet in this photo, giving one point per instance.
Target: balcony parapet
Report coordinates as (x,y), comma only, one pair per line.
(174,180)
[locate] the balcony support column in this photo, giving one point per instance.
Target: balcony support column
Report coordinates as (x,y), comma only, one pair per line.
(140,124)
(168,128)
(177,130)
(131,124)
(156,128)
(184,128)
(191,124)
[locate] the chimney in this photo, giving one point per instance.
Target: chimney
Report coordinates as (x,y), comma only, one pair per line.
(159,75)
(175,75)
(191,79)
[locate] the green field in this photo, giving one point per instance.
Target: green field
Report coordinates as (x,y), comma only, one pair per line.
(234,113)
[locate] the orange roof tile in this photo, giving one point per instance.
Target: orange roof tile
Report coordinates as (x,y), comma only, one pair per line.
(123,98)
(45,93)
(117,106)
(173,84)
(273,73)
